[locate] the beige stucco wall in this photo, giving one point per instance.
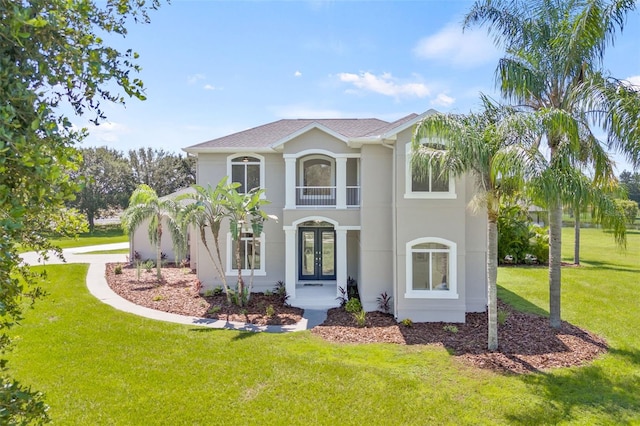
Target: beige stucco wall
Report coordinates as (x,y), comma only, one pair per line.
(376,249)
(452,220)
(317,139)
(211,168)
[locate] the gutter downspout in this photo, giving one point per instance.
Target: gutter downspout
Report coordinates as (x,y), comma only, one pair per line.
(394,226)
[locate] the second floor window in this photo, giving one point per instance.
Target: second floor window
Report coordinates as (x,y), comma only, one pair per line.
(245,170)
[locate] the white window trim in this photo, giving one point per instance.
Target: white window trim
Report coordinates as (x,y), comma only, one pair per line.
(230,269)
(452,292)
(331,161)
(232,157)
(409,193)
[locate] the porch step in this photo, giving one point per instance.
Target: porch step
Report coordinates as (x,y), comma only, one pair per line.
(314,302)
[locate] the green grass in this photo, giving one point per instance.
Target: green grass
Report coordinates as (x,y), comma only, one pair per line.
(105,234)
(118,251)
(101,366)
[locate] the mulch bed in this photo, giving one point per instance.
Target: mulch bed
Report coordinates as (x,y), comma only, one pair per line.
(526,342)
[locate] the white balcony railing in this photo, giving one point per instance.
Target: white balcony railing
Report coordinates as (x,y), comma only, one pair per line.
(326,196)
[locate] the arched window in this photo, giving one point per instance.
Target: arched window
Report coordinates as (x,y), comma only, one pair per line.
(247,170)
(431,269)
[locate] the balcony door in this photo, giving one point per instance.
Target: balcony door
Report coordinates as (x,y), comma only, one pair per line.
(317,253)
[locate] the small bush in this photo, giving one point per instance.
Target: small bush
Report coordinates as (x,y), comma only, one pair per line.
(268,293)
(503,315)
(157,298)
(280,290)
(214,309)
(353,306)
(407,322)
(343,296)
(148,265)
(209,292)
(218,291)
(270,311)
(118,270)
(384,302)
(360,317)
(450,328)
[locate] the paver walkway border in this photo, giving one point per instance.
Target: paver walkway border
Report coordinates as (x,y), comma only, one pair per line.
(97,285)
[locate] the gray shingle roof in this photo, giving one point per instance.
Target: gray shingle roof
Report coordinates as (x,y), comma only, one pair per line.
(267,134)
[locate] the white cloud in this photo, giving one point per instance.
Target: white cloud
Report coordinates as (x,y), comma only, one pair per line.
(297,74)
(108,131)
(385,84)
(451,45)
(443,100)
(211,87)
(193,79)
(634,79)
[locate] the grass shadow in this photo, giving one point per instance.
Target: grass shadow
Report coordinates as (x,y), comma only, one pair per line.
(607,266)
(520,303)
(592,389)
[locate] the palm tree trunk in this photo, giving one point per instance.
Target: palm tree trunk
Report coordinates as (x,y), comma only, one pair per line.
(253,265)
(555,262)
(159,251)
(492,275)
(576,237)
(239,266)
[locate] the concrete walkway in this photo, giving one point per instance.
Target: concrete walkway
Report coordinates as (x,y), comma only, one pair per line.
(97,285)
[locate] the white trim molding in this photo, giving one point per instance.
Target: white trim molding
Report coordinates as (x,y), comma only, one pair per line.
(452,272)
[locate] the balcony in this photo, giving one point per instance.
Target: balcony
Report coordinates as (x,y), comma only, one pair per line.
(326,196)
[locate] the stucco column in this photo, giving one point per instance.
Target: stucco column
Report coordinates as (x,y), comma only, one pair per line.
(341,260)
(290,261)
(341,183)
(290,183)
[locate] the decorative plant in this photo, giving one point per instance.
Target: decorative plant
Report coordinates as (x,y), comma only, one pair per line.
(343,296)
(118,269)
(384,302)
(270,311)
(353,306)
(360,317)
(280,290)
(450,328)
(407,322)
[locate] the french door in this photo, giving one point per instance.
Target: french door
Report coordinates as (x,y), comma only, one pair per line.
(317,254)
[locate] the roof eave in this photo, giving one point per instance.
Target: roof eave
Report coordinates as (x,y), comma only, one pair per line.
(227,149)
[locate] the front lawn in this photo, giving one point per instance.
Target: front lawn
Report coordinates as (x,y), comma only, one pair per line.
(101,366)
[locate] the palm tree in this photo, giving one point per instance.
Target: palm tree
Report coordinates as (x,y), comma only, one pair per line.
(554,67)
(144,205)
(485,146)
(209,207)
(207,211)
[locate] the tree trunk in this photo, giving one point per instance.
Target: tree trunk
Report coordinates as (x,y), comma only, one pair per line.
(576,236)
(555,262)
(492,275)
(159,251)
(253,264)
(240,287)
(91,220)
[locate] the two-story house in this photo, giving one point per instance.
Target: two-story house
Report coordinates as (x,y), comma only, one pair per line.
(349,206)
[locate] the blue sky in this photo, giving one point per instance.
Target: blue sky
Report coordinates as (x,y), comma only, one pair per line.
(216,67)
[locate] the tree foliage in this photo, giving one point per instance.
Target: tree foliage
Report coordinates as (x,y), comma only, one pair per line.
(105,182)
(630,210)
(164,172)
(631,183)
(553,65)
(50,55)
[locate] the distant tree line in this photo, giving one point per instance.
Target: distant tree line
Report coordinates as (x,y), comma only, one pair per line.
(108,177)
(631,182)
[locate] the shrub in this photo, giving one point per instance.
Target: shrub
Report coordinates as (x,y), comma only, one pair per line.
(384,302)
(208,292)
(118,269)
(269,312)
(353,305)
(148,265)
(407,322)
(214,309)
(157,298)
(343,296)
(217,291)
(503,315)
(360,317)
(450,328)
(280,290)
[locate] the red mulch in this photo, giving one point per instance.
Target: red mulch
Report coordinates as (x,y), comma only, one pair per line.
(526,342)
